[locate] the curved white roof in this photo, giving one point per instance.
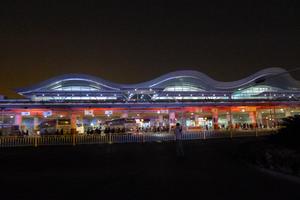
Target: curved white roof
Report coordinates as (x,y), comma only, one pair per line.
(276,77)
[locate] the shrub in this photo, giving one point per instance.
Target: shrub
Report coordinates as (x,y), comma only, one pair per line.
(289,134)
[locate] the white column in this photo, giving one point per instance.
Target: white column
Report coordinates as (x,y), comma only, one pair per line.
(196,118)
(252,117)
(259,119)
(160,118)
(18,120)
(171,119)
(228,118)
(35,123)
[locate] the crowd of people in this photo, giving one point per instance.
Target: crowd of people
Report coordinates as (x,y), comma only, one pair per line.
(107,129)
(255,126)
(151,129)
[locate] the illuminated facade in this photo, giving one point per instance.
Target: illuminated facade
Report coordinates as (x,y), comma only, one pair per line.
(189,97)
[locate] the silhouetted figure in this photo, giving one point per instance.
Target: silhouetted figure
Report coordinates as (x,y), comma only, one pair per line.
(61,131)
(178,137)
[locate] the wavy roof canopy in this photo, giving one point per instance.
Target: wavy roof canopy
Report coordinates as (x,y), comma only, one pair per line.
(276,77)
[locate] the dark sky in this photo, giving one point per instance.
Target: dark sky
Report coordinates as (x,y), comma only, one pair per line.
(133,41)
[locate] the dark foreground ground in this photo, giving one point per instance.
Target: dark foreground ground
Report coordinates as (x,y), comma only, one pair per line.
(137,171)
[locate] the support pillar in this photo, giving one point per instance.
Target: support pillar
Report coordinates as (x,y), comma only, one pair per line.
(215,118)
(160,119)
(252,117)
(171,120)
(259,119)
(35,124)
(183,119)
(275,119)
(18,120)
(73,123)
(196,118)
(229,119)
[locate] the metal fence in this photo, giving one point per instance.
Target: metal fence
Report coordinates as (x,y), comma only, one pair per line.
(23,141)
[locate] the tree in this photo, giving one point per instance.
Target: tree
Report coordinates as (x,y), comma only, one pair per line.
(289,134)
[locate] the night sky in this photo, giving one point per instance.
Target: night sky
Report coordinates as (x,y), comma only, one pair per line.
(133,41)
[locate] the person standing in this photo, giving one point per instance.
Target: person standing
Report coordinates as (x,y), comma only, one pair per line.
(178,137)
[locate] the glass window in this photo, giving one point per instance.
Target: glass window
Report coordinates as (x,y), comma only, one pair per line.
(253,91)
(182,88)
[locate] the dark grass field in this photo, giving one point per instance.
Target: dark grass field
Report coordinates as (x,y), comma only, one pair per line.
(210,169)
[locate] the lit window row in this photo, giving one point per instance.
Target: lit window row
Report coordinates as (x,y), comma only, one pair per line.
(76,88)
(185,88)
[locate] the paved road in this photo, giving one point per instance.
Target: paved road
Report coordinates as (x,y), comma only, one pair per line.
(137,171)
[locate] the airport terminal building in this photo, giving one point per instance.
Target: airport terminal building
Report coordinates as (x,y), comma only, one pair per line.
(77,103)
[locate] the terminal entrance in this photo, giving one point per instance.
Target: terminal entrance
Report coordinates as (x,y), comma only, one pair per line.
(100,120)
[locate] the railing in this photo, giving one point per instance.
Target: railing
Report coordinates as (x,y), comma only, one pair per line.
(23,141)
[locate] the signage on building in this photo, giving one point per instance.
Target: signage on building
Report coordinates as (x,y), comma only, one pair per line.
(88,112)
(108,112)
(162,112)
(25,113)
(47,113)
